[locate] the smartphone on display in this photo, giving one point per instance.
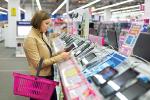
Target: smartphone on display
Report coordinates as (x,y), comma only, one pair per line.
(80,43)
(69,48)
(87,51)
(70,42)
(82,49)
(88,58)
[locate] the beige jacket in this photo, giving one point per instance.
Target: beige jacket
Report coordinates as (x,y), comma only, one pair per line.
(35,48)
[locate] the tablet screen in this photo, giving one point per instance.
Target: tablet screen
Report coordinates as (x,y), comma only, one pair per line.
(132,92)
(108,72)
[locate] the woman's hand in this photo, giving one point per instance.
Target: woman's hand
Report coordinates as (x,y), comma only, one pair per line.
(65,55)
(54,35)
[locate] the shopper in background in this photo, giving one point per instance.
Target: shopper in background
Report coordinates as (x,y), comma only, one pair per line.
(36,46)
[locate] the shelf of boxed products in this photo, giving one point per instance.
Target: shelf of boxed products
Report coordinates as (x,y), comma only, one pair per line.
(75,85)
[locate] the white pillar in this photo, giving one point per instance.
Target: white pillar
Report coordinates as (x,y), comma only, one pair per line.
(107,15)
(67,11)
(147,9)
(29,12)
(85,23)
(13,16)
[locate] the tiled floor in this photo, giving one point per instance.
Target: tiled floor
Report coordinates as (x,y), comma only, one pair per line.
(8,64)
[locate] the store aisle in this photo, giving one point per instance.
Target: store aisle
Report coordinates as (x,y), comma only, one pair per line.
(8,64)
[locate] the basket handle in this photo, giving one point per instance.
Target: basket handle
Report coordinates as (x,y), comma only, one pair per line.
(39,66)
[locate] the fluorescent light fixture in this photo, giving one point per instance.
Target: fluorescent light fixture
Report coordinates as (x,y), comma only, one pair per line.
(82,7)
(113,5)
(61,5)
(89,4)
(115,10)
(127,11)
(7,9)
(38,4)
(19,8)
(3,13)
(124,8)
(3,9)
(22,9)
(102,12)
(131,10)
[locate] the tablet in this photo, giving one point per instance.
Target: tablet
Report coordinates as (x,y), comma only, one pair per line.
(132,92)
(103,76)
(114,85)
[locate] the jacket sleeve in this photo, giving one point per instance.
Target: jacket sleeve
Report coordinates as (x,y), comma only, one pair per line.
(33,56)
(53,35)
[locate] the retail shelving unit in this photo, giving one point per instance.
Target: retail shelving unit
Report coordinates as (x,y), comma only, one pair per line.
(23,28)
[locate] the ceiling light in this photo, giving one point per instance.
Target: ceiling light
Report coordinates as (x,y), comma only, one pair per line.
(22,9)
(38,4)
(92,8)
(89,4)
(124,8)
(7,10)
(3,13)
(95,13)
(82,7)
(113,5)
(3,9)
(62,4)
(127,11)
(116,11)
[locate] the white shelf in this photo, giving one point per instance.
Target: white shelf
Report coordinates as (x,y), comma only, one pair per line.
(20,37)
(20,55)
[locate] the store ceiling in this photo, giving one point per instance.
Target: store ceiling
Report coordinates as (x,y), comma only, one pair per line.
(51,5)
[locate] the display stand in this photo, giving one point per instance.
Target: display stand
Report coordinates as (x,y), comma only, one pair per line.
(23,28)
(75,84)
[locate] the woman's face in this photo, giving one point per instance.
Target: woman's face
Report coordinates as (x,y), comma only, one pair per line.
(44,25)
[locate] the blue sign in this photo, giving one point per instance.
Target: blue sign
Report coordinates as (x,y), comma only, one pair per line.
(23,23)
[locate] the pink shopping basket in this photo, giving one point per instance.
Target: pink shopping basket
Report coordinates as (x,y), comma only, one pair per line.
(34,87)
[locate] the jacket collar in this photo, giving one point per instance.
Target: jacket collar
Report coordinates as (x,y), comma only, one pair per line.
(36,32)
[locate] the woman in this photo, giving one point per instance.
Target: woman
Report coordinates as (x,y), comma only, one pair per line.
(36,46)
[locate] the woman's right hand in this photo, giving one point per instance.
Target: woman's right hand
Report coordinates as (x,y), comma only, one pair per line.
(65,55)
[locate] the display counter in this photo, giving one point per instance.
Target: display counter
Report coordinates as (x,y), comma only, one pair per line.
(76,85)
